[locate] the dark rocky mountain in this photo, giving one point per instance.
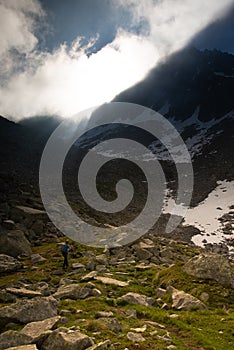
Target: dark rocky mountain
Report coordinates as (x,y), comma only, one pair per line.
(21,145)
(194,90)
(185,81)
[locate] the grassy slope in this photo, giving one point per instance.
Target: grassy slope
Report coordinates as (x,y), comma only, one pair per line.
(209,329)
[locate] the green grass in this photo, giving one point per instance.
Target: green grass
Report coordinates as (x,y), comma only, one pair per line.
(211,329)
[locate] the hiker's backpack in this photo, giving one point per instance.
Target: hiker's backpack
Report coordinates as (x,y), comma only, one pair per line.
(64,248)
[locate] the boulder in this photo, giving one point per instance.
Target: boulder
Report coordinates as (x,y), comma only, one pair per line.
(36,330)
(184,301)
(70,340)
(37,259)
(135,298)
(14,243)
(147,245)
(8,224)
(160,292)
(79,267)
(65,280)
(101,268)
(25,311)
(12,338)
(143,254)
(24,347)
(30,211)
(211,266)
(135,337)
(23,292)
(108,280)
(73,291)
(43,287)
(90,276)
(101,346)
(7,297)
(38,227)
(9,264)
(111,323)
(140,329)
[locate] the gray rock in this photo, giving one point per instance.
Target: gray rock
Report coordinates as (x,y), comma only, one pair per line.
(135,337)
(90,265)
(101,346)
(101,259)
(105,314)
(165,306)
(43,287)
(9,224)
(73,291)
(36,330)
(90,276)
(65,280)
(131,313)
(155,324)
(79,267)
(70,340)
(9,264)
(143,266)
(168,255)
(38,227)
(204,296)
(101,268)
(96,292)
(25,311)
(14,243)
(25,211)
(23,292)
(143,254)
(112,323)
(64,312)
(165,337)
(160,292)
(184,301)
(148,245)
(108,280)
(140,329)
(24,347)
(135,298)
(37,259)
(211,266)
(12,338)
(7,297)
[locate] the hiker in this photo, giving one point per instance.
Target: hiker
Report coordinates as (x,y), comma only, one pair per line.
(65,248)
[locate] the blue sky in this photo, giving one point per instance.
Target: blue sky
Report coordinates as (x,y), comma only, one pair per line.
(61,57)
(71,18)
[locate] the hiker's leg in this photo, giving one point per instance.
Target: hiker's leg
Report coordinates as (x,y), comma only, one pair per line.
(66,260)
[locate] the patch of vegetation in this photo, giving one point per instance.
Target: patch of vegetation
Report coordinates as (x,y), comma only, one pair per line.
(210,329)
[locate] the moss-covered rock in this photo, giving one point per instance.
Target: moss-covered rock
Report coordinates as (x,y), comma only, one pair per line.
(25,311)
(73,340)
(211,266)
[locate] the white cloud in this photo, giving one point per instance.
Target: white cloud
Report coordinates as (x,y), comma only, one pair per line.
(17,25)
(65,83)
(173,23)
(67,80)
